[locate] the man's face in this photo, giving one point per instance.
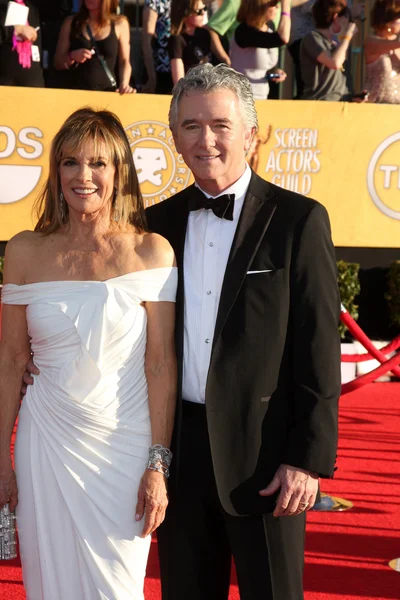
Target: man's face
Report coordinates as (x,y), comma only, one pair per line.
(212,138)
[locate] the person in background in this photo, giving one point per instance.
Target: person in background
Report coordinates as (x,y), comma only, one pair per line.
(323,60)
(52,15)
(156,29)
(190,42)
(103,65)
(302,24)
(382,53)
(222,26)
(254,48)
(21,49)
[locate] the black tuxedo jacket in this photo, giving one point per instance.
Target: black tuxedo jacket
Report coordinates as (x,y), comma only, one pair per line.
(274,379)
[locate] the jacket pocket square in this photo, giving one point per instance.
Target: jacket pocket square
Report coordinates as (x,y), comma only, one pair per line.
(264,271)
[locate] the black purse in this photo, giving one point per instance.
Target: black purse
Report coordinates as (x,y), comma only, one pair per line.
(101,58)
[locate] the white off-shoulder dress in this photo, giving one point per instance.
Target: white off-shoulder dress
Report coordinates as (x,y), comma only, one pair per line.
(83,435)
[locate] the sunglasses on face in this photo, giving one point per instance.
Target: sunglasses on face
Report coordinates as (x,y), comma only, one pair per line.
(200,11)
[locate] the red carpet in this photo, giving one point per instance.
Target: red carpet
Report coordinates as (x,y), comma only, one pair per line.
(347,553)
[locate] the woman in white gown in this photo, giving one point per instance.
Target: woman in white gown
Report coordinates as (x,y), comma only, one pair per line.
(92,294)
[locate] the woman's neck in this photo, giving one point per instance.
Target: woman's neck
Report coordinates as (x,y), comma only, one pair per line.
(189,29)
(94,16)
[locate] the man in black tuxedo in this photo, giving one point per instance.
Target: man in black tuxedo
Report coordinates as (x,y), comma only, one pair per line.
(259,354)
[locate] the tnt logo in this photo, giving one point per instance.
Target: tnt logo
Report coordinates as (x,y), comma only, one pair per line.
(383,177)
(19,180)
(161,170)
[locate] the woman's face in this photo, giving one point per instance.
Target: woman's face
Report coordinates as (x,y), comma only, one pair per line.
(87,180)
(93,5)
(198,18)
(394,27)
(271,10)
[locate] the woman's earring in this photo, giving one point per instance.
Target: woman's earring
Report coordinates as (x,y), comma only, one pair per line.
(389,30)
(62,212)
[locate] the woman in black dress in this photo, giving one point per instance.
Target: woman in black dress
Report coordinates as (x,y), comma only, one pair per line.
(190,43)
(96,65)
(21,50)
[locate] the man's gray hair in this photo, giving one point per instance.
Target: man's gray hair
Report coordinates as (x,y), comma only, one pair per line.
(206,78)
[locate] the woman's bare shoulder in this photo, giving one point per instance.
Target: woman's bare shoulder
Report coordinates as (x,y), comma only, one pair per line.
(20,254)
(121,21)
(155,251)
(24,239)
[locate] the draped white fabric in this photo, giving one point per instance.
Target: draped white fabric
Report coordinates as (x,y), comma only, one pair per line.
(83,435)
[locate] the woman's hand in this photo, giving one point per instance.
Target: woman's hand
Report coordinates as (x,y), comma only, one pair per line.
(281,73)
(152,501)
(26,32)
(8,486)
(126,89)
(81,55)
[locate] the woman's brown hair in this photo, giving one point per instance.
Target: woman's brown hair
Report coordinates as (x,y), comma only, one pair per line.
(383,12)
(180,9)
(108,12)
(105,130)
(252,12)
(324,12)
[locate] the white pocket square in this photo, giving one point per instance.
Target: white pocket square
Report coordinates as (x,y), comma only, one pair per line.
(254,272)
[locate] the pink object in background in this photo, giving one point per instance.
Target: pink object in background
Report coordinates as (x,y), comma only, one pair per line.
(23,47)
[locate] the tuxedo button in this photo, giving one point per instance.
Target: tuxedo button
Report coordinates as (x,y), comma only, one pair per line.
(211,244)
(208,292)
(207,341)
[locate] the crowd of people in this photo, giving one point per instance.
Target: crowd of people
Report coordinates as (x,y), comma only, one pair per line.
(90,48)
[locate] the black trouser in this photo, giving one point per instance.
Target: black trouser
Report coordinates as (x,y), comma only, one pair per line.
(198,538)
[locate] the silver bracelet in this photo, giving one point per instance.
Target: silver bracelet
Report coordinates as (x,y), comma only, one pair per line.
(159,453)
(159,468)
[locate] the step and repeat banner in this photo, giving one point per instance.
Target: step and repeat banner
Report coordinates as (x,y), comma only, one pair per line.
(347,156)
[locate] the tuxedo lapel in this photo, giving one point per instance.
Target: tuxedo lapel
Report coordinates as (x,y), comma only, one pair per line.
(256,215)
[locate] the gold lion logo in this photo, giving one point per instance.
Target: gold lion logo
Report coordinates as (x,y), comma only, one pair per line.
(161,170)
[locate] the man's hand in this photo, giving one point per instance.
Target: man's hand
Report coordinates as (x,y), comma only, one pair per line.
(152,501)
(298,490)
(31,369)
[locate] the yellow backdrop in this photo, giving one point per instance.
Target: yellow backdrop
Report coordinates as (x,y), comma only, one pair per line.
(346,156)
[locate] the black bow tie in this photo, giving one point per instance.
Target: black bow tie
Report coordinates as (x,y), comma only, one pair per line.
(222,206)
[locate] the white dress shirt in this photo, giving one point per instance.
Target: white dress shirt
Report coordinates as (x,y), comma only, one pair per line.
(207,246)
